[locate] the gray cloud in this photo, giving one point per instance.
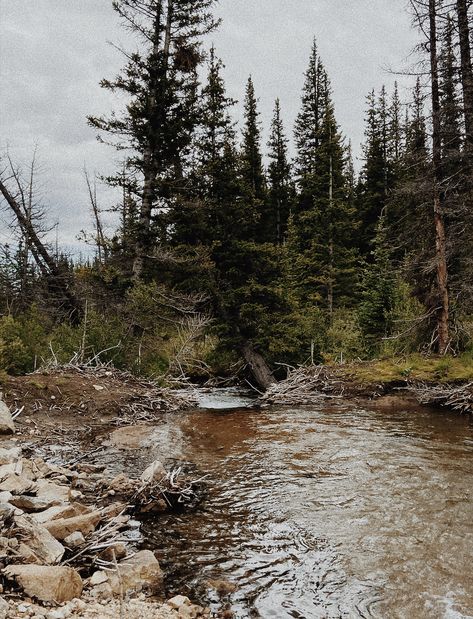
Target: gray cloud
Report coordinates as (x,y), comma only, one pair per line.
(53,54)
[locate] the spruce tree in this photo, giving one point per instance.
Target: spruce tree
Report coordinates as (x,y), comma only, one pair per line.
(378,292)
(201,217)
(280,185)
(409,210)
(251,165)
(450,110)
(323,225)
(374,183)
(307,131)
(395,129)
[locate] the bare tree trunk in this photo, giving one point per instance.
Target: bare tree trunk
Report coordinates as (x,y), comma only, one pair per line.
(466,69)
(330,243)
(46,263)
(259,368)
(440,244)
(28,209)
(99,235)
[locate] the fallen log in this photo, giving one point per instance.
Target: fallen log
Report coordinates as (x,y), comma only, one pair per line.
(258,366)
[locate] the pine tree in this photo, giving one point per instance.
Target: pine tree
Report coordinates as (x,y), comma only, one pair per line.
(395,131)
(378,292)
(309,120)
(410,231)
(212,200)
(251,166)
(280,185)
(372,187)
(464,36)
(158,122)
(450,111)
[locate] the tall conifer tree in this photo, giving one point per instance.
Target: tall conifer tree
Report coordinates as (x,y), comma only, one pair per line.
(323,225)
(280,185)
(157,124)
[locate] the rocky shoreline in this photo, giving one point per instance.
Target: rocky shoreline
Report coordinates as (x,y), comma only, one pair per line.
(70,533)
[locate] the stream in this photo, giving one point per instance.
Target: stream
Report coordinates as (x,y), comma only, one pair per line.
(325,512)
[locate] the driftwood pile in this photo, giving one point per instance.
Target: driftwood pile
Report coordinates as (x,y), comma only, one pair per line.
(304,386)
(456,397)
(311,384)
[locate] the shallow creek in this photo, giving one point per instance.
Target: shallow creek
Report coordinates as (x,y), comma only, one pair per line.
(333,511)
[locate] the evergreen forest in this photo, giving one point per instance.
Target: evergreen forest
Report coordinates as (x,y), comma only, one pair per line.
(233,256)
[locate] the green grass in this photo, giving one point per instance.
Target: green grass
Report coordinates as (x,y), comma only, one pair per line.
(413,367)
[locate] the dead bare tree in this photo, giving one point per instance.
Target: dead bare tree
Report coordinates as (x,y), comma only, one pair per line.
(99,238)
(19,199)
(425,18)
(464,35)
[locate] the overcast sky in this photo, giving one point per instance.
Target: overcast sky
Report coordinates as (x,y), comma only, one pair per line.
(53,54)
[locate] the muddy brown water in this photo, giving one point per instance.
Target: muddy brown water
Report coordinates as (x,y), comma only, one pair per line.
(324,512)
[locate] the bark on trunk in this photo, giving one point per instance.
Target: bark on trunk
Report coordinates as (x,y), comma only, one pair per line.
(331,273)
(259,368)
(466,69)
(143,240)
(440,243)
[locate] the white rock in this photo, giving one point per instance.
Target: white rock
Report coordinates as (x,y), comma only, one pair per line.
(9,455)
(98,578)
(49,491)
(60,613)
(38,541)
(154,473)
(60,511)
(31,503)
(102,593)
(138,573)
(6,422)
(7,469)
(177,601)
(23,608)
(74,540)
(4,608)
(17,484)
(77,604)
(6,511)
(75,495)
(63,527)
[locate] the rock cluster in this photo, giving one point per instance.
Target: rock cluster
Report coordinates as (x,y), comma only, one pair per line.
(56,545)
(179,607)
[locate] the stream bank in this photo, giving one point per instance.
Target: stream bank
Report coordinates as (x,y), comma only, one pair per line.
(343,508)
(70,543)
